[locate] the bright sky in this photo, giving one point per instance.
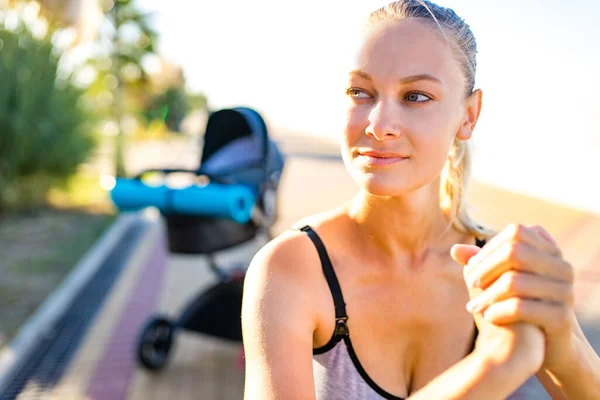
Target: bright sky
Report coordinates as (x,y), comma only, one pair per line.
(539,68)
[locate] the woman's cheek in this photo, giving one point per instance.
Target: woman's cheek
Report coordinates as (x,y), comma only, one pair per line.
(435,147)
(356,123)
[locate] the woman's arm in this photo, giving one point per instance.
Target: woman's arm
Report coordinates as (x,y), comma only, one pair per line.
(578,377)
(278,321)
(471,378)
(503,360)
(521,276)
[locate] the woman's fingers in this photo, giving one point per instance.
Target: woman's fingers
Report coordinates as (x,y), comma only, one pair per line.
(522,285)
(544,234)
(516,233)
(551,317)
(517,256)
(461,253)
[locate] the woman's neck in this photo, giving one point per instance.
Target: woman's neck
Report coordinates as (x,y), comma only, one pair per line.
(402,227)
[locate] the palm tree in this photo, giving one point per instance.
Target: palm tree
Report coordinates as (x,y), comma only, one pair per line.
(132,40)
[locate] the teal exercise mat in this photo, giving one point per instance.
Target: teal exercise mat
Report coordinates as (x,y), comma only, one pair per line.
(214,200)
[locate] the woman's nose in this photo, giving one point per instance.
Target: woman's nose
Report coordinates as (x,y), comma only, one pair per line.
(384,122)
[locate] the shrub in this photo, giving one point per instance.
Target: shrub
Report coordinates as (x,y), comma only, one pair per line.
(44,130)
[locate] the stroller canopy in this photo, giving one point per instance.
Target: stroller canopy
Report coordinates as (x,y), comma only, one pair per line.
(237,147)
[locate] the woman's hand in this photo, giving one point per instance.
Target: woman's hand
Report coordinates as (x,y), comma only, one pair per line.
(519,276)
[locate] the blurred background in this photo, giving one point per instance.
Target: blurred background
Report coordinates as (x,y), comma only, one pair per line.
(93,90)
(537,65)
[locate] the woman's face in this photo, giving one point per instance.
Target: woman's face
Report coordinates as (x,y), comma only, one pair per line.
(406,105)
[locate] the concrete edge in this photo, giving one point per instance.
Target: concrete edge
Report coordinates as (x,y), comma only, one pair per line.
(40,323)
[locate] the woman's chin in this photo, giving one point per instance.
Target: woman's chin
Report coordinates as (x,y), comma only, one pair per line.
(377,186)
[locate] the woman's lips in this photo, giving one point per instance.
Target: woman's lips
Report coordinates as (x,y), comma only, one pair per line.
(374,159)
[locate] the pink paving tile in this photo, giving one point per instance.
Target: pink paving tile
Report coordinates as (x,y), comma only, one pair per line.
(113,374)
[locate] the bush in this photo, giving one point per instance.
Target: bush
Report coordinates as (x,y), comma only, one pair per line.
(44,133)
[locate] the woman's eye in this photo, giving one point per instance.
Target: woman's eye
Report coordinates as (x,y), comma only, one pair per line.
(357,94)
(417,98)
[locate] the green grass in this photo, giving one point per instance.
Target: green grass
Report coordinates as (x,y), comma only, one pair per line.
(59,255)
(10,295)
(40,248)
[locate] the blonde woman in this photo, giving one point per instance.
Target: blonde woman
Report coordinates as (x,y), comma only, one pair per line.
(367,301)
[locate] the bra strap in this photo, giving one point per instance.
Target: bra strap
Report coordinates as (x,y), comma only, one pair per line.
(341,318)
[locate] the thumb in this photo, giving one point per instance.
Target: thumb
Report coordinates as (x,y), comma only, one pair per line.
(461,253)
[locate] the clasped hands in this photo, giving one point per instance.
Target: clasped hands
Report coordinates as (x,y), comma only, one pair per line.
(520,276)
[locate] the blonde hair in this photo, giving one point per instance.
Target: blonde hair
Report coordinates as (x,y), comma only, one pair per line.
(457,170)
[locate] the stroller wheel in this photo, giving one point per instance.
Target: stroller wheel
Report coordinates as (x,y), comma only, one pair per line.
(155,343)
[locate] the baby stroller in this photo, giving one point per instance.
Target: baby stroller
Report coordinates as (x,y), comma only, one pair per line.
(236,150)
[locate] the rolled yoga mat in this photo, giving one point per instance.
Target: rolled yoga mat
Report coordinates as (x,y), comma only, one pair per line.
(213,200)
(133,195)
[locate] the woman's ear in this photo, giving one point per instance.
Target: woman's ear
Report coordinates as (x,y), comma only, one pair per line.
(473,108)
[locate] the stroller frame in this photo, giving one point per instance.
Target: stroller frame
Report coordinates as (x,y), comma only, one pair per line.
(216,311)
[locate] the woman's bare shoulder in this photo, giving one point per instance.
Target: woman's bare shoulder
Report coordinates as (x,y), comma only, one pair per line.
(283,291)
(330,220)
(292,254)
(289,254)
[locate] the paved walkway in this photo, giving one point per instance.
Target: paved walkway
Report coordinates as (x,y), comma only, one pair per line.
(103,365)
